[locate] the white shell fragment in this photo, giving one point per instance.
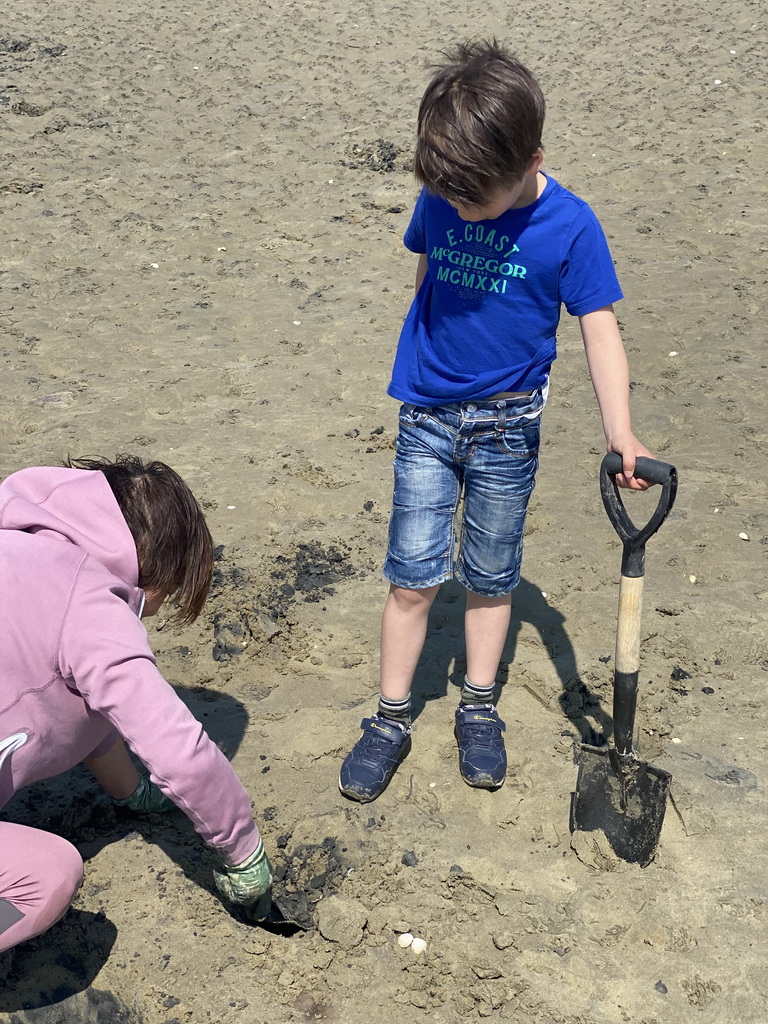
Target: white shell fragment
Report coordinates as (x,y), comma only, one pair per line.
(418,945)
(692,579)
(674,353)
(744,536)
(404,940)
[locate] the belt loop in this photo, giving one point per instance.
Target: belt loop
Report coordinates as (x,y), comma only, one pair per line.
(501,421)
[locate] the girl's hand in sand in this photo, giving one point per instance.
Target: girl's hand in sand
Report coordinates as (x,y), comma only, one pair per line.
(248,884)
(147,799)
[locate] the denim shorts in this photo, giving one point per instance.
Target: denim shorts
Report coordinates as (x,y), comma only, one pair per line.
(485,451)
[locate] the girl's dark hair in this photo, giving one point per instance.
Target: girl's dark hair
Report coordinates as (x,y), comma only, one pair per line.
(173,543)
(479,124)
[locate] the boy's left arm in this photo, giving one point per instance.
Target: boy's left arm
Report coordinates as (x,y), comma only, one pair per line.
(608,368)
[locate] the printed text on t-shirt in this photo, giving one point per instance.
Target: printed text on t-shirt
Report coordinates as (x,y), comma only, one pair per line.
(476,268)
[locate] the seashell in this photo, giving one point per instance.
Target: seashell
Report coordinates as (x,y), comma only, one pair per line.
(418,945)
(405,940)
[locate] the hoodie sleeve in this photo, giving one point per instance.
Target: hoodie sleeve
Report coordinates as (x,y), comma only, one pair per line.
(104,655)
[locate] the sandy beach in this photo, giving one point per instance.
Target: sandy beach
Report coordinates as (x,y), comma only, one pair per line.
(202,217)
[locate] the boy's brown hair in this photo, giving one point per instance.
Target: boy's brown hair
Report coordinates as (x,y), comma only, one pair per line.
(174,546)
(480,123)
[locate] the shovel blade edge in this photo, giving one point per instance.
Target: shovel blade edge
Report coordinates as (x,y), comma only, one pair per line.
(626,800)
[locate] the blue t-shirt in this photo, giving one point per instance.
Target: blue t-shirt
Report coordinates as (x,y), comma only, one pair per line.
(486,315)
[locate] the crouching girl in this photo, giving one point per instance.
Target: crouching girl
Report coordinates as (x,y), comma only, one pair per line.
(86,552)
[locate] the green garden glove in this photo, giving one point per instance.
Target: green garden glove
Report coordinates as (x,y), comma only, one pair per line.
(249,884)
(146,799)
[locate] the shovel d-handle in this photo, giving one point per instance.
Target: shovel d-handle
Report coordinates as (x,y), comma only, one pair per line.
(632,537)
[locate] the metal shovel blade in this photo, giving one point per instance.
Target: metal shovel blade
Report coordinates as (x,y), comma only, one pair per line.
(274,913)
(283,919)
(623,797)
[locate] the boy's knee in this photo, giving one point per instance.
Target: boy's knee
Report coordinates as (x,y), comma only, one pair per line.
(409,600)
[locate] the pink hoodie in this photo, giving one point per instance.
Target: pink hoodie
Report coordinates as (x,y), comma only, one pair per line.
(75,661)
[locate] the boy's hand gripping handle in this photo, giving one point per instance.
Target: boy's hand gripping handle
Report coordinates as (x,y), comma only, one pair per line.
(632,537)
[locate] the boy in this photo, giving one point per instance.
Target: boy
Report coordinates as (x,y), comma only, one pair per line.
(500,246)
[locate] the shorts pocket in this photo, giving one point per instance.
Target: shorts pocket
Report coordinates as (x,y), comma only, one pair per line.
(410,414)
(520,440)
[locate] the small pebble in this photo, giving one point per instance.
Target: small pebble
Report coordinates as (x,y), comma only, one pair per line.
(676,740)
(673,353)
(418,945)
(718,82)
(744,536)
(692,579)
(154,266)
(231,507)
(297,323)
(707,689)
(404,940)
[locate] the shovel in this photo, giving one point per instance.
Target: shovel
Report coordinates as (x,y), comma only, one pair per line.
(617,792)
(273,913)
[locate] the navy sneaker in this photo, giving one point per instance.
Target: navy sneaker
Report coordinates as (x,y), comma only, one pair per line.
(370,765)
(482,757)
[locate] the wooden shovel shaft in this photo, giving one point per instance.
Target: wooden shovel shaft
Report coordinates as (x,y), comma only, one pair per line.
(628,626)
(627,662)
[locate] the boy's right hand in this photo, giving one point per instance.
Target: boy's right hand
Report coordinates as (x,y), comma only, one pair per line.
(249,884)
(630,450)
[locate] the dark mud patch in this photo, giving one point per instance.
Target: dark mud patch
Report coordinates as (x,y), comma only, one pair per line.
(311,570)
(380,156)
(304,877)
(250,611)
(89,1007)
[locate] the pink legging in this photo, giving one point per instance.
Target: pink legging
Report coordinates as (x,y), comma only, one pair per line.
(39,876)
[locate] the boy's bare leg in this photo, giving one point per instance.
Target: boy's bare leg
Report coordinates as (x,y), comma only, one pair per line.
(403,631)
(486,623)
(115,771)
(386,739)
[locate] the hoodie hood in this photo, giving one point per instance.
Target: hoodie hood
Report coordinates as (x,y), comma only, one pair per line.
(75,506)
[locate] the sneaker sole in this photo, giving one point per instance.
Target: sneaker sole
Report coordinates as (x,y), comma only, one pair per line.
(483,783)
